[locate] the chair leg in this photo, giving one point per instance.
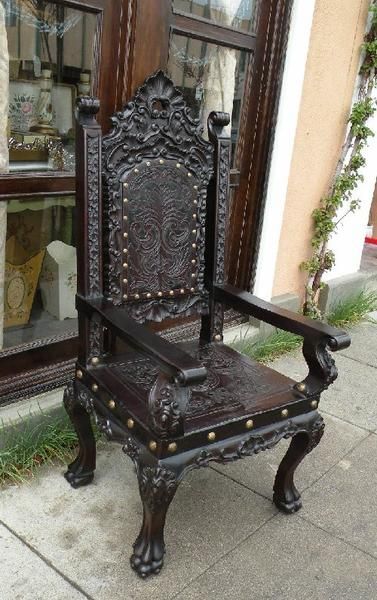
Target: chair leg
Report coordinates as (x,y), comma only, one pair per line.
(81,470)
(157,485)
(286,496)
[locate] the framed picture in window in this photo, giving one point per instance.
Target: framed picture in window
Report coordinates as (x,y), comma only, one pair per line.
(23,98)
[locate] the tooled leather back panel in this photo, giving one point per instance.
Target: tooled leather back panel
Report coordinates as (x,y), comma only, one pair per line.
(156,169)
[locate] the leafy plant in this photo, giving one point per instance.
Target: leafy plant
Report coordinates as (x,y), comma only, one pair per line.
(29,445)
(352,310)
(270,347)
(340,201)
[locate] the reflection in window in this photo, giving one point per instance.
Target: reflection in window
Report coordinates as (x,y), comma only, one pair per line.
(50,62)
(40,269)
(210,77)
(239,14)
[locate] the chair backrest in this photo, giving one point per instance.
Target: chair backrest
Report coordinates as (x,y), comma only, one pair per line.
(164,187)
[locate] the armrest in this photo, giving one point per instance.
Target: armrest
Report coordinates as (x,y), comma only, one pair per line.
(246,303)
(172,360)
(317,336)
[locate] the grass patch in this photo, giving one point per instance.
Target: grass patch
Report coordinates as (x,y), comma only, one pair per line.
(344,314)
(270,347)
(29,445)
(353,310)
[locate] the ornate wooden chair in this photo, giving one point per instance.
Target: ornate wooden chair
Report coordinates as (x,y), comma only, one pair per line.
(152,203)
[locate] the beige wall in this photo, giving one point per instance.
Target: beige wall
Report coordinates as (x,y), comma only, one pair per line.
(332,66)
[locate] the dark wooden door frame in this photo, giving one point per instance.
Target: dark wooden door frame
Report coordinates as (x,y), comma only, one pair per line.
(248,205)
(259,114)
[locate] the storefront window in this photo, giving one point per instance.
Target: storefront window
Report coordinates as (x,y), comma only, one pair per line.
(40,270)
(50,62)
(210,77)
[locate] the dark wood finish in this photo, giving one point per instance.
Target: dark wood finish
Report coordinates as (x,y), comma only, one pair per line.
(260,101)
(27,185)
(286,496)
(208,31)
(279,317)
(174,407)
(111,57)
(150,40)
(81,470)
(37,367)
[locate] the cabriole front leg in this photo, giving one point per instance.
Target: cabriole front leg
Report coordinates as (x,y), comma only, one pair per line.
(157,485)
(286,496)
(81,470)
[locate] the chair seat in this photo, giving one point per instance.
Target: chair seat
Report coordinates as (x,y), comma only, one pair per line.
(236,386)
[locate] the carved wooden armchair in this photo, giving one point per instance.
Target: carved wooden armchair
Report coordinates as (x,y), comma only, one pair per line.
(152,202)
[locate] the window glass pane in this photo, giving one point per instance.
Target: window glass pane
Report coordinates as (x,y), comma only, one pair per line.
(210,77)
(40,270)
(240,14)
(51,52)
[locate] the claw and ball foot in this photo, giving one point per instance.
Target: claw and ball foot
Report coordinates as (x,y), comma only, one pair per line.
(286,496)
(81,471)
(157,486)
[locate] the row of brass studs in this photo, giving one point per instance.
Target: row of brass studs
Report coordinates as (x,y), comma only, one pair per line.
(172,447)
(148,295)
(153,446)
(250,423)
(130,422)
(211,436)
(94,361)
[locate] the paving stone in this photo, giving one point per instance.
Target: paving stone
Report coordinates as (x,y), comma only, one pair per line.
(258,472)
(364,344)
(344,501)
(24,576)
(288,559)
(88,533)
(351,397)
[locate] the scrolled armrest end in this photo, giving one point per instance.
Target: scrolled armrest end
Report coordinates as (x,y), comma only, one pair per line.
(339,342)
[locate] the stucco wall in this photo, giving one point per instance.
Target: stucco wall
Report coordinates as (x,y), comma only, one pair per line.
(333,60)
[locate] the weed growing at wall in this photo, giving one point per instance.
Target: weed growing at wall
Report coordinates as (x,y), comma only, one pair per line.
(340,201)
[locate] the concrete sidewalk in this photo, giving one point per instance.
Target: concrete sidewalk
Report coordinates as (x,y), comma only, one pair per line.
(225,539)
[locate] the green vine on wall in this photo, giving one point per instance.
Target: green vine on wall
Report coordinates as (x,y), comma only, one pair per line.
(340,201)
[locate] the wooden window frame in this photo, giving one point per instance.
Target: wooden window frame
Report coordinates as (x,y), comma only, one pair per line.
(48,363)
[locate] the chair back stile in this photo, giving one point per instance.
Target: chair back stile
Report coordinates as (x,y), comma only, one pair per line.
(216,224)
(89,222)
